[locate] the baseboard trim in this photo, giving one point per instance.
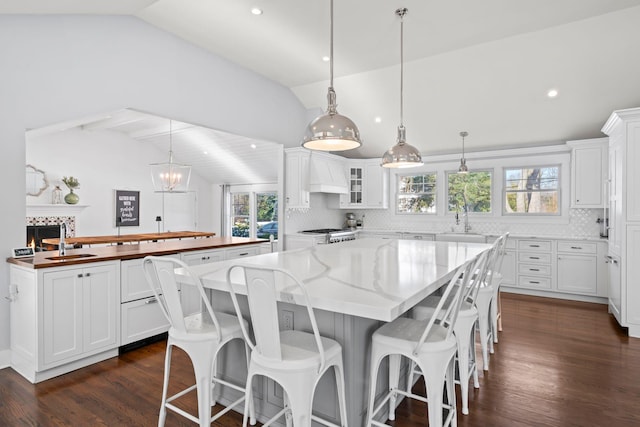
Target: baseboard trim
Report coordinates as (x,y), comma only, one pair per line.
(552,294)
(5,358)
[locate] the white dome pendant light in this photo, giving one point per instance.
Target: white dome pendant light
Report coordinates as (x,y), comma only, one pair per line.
(402,155)
(332,131)
(463,162)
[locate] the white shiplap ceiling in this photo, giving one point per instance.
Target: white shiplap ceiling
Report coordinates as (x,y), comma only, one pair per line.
(483,67)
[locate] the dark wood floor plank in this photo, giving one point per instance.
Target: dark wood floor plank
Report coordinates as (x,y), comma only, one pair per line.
(558,363)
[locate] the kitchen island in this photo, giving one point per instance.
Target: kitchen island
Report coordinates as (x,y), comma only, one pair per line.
(354,286)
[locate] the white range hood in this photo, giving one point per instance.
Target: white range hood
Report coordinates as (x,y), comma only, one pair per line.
(327,174)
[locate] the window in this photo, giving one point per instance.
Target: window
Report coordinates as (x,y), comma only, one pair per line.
(417,193)
(470,192)
(533,190)
(240,214)
(267,215)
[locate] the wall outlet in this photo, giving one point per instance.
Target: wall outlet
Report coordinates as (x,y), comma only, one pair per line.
(287,320)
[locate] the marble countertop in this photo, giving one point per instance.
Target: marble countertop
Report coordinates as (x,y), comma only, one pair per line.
(371,278)
(512,235)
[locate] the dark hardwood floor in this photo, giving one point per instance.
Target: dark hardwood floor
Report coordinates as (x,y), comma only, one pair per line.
(558,363)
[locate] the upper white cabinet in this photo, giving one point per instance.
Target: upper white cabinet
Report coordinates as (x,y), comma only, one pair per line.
(589,164)
(297,178)
(368,185)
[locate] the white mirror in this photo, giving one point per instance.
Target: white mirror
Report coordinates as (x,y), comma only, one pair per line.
(36,181)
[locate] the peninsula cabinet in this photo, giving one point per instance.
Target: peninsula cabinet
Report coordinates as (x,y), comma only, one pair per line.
(64,318)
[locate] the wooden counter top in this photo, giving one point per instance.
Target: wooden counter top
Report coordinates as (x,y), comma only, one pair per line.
(132,251)
(127,238)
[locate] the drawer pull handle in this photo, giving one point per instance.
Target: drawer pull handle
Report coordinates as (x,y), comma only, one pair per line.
(534,257)
(533,281)
(243,254)
(87,275)
(151,301)
(576,247)
(534,246)
(534,269)
(79,274)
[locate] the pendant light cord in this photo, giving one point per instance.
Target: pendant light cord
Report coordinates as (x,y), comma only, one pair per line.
(331,49)
(401,12)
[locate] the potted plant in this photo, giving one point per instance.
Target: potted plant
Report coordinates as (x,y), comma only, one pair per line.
(72,183)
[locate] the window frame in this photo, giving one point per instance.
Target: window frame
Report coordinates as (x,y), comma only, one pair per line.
(506,214)
(492,211)
(435,192)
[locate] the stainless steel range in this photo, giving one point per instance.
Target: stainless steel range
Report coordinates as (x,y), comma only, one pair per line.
(331,235)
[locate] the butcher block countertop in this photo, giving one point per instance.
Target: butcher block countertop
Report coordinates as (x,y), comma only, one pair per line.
(49,259)
(126,238)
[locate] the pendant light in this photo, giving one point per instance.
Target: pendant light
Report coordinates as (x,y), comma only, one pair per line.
(463,162)
(402,155)
(332,131)
(170,177)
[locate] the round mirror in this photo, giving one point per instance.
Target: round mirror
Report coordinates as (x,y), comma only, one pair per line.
(36,181)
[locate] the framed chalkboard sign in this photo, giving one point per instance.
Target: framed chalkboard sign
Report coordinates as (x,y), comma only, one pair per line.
(127,208)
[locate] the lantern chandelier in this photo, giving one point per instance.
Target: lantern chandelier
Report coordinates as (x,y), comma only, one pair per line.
(170,177)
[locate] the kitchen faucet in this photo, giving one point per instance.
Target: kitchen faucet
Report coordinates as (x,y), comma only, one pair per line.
(62,250)
(467,227)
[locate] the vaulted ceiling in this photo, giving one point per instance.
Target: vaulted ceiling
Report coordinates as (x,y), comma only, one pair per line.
(484,67)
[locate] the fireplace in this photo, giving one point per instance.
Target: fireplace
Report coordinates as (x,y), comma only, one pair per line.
(35,234)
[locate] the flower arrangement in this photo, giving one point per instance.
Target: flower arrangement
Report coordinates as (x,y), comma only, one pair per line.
(71,182)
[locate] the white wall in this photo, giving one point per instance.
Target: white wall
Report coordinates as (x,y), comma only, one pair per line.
(59,68)
(104,161)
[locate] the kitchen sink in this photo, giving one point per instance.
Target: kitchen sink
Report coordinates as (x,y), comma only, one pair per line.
(69,257)
(461,237)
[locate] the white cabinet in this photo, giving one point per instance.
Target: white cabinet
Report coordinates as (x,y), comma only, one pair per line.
(78,311)
(140,313)
(589,164)
(368,184)
(296,178)
(63,318)
(623,129)
(578,267)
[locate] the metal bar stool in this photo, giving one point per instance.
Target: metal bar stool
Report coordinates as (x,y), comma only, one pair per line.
(201,335)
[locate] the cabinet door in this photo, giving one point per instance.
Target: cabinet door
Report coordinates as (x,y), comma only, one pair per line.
(354,197)
(101,303)
(615,288)
(297,180)
(616,159)
(587,177)
(61,315)
(376,186)
(577,274)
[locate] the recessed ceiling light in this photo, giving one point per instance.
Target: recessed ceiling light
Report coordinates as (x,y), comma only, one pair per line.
(256,11)
(253,146)
(326,58)
(378,119)
(552,93)
(205,152)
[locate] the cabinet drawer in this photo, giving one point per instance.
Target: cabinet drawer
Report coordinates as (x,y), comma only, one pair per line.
(535,245)
(142,319)
(535,269)
(534,282)
(578,247)
(537,258)
(241,252)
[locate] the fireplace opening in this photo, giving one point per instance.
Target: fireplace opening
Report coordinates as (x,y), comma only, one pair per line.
(35,234)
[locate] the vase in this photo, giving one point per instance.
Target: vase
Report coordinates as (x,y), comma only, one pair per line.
(71,198)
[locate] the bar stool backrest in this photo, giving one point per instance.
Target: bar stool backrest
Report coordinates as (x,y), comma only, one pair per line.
(448,307)
(160,274)
(262,295)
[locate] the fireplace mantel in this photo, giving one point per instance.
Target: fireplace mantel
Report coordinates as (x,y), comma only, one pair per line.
(54,210)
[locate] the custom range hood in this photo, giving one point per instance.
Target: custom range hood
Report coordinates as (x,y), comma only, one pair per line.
(327,174)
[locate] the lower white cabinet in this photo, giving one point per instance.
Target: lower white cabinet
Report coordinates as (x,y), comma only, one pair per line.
(190,297)
(578,267)
(64,318)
